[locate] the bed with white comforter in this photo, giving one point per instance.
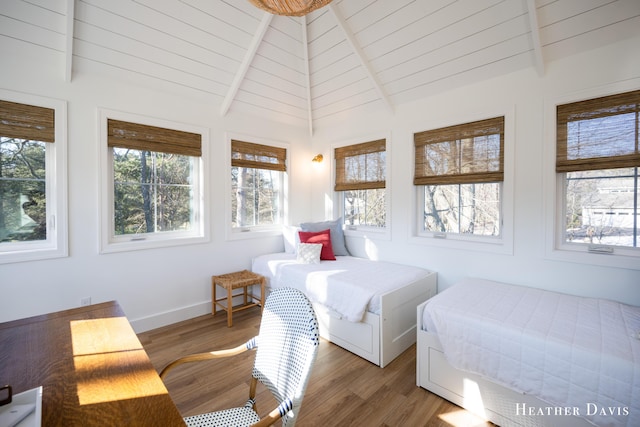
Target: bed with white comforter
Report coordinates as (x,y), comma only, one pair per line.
(578,357)
(364,306)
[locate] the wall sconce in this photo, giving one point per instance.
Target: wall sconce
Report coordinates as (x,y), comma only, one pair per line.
(318,158)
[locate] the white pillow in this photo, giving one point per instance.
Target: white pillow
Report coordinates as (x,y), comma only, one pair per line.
(291,238)
(309,253)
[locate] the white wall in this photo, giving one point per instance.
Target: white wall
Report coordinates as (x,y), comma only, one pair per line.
(527,95)
(156,286)
(160,286)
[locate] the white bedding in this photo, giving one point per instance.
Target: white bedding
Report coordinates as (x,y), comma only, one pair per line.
(569,351)
(349,286)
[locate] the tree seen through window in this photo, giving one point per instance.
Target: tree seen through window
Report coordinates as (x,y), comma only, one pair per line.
(22,190)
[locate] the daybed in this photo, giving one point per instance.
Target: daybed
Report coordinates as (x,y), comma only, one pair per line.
(367,307)
(521,356)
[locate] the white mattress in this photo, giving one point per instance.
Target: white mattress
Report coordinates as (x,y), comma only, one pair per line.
(569,351)
(349,286)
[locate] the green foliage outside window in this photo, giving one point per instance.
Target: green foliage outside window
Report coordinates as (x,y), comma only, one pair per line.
(22,190)
(152,192)
(255,197)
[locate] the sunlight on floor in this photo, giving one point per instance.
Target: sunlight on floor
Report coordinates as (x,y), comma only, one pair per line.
(472,401)
(462,418)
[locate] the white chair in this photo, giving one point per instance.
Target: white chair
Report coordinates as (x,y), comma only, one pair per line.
(287,345)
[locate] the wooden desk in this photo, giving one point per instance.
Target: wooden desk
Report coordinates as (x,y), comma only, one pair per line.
(92,367)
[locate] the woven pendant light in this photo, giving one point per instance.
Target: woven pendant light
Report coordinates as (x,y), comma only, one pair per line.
(290,7)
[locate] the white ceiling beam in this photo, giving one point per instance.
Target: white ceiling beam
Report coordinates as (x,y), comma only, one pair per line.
(246,62)
(360,54)
(68,68)
(535,37)
(305,50)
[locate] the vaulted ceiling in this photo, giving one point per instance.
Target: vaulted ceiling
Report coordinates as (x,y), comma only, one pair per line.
(350,55)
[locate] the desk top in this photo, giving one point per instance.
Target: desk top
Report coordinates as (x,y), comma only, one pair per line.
(92,367)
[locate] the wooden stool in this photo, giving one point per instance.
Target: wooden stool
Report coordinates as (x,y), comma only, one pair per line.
(231,281)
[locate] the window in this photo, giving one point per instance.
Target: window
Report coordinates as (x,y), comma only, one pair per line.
(258,175)
(32,178)
(154,189)
(459,172)
(360,179)
(597,164)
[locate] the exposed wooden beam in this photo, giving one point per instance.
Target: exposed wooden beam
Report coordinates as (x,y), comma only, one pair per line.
(360,54)
(246,62)
(68,69)
(305,50)
(535,37)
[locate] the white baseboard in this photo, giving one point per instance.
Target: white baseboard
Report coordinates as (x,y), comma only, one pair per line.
(158,320)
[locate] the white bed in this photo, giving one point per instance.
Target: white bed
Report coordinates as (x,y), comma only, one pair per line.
(367,307)
(521,356)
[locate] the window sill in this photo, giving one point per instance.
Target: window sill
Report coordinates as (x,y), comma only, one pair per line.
(482,244)
(368,232)
(627,258)
(9,257)
(135,244)
(253,232)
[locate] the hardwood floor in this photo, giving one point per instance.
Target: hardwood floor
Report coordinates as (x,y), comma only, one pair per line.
(344,389)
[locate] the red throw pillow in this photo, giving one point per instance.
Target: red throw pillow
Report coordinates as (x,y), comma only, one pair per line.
(323,237)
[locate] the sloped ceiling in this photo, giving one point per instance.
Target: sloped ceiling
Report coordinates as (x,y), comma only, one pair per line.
(312,70)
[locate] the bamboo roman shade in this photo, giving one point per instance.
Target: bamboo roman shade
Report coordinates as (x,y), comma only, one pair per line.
(135,136)
(600,133)
(469,153)
(361,166)
(27,122)
(258,156)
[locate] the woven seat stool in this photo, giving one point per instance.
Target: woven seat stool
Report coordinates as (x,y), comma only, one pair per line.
(231,281)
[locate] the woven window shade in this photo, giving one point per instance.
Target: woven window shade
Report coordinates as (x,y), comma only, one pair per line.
(600,133)
(462,154)
(258,156)
(151,138)
(361,166)
(27,122)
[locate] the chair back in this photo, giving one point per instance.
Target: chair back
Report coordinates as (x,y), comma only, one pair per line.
(288,343)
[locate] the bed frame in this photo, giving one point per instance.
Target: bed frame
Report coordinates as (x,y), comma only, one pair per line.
(476,394)
(380,338)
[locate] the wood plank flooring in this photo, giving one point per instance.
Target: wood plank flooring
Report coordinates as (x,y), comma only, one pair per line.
(344,389)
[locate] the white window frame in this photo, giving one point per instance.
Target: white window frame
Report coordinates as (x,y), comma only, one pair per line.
(374,233)
(56,244)
(554,185)
(502,244)
(108,241)
(241,233)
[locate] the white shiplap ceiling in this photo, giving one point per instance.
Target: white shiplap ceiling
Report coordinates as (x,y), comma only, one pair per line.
(315,69)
